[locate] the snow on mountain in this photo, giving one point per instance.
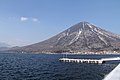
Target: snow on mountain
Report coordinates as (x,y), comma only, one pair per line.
(80,38)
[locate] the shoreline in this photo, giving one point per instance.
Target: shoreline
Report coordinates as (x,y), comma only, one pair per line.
(69,53)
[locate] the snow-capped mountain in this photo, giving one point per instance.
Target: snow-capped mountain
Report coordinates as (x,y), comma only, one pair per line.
(80,38)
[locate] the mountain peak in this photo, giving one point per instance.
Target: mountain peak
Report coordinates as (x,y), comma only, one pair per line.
(85,24)
(81,37)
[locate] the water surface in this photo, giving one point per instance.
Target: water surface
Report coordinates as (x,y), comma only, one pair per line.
(48,67)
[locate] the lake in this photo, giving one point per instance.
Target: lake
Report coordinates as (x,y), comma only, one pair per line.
(15,66)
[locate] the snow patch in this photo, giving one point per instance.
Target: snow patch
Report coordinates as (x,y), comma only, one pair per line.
(68,32)
(89,25)
(83,25)
(104,34)
(76,37)
(62,35)
(102,39)
(96,32)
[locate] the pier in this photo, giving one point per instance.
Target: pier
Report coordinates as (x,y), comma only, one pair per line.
(94,61)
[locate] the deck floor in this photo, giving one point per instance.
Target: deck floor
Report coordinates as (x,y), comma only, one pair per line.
(114,74)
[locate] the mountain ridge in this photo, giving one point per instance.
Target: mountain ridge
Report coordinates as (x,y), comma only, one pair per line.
(80,38)
(4,46)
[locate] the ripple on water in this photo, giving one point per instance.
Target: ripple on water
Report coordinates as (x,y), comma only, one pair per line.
(47,67)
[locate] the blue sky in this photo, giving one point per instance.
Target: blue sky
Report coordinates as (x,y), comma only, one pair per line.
(24,22)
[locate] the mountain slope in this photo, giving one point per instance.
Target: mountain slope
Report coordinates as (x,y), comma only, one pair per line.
(4,46)
(82,37)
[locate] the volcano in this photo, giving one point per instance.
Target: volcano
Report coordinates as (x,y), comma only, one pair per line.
(83,37)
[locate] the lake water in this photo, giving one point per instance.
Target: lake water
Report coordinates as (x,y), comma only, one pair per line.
(48,67)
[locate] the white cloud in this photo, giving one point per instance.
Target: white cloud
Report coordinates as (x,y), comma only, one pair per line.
(34,19)
(23,18)
(29,19)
